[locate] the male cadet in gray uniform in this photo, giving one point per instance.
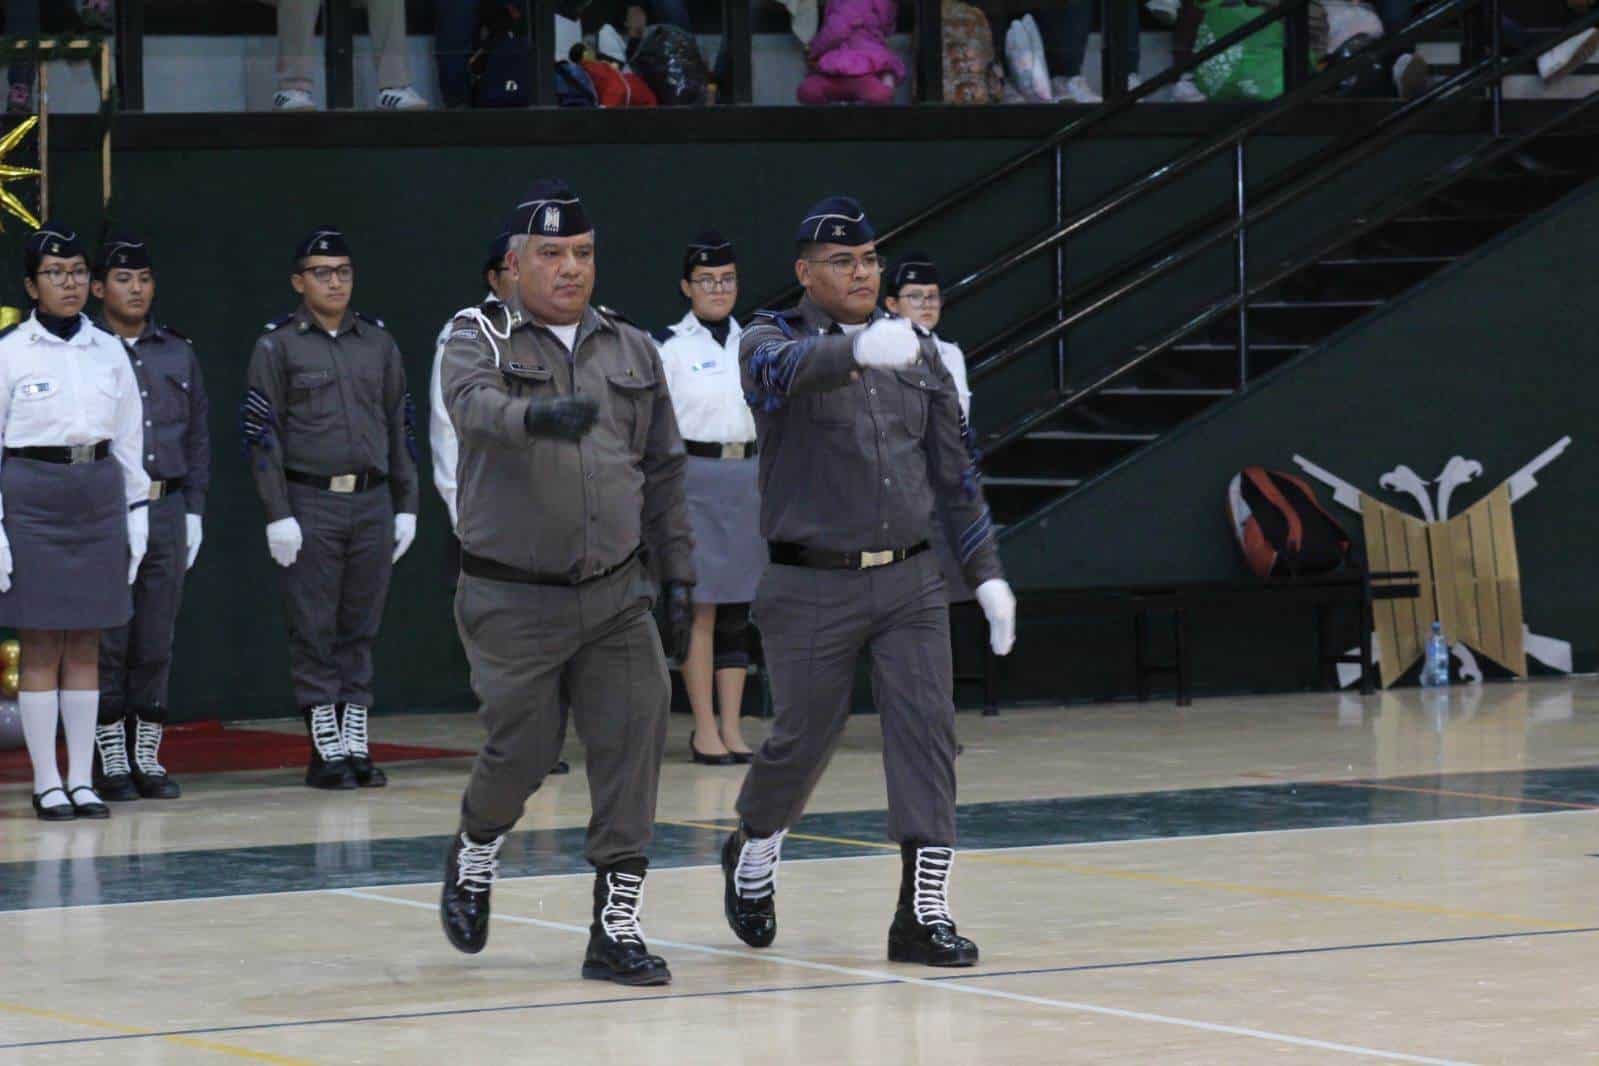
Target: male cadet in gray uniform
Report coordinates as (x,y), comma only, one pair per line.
(859,432)
(329,425)
(136,659)
(571,467)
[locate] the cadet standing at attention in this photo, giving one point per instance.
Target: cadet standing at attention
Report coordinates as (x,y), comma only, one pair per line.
(859,434)
(571,469)
(328,424)
(136,659)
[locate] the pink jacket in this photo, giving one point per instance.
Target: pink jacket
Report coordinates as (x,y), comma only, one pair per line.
(853,40)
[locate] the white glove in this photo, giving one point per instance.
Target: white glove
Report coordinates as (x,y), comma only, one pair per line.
(887,344)
(5,563)
(138,539)
(194,533)
(404,534)
(999,607)
(284,540)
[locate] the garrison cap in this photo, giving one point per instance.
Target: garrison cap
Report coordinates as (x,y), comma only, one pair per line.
(836,220)
(51,238)
(323,240)
(709,249)
(550,208)
(122,252)
(912,268)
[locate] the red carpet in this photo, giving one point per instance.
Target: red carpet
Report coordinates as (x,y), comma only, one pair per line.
(210,747)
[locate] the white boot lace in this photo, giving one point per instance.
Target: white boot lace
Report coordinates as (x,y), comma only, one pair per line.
(325,733)
(756,874)
(355,730)
(931,900)
(147,748)
(113,745)
(619,916)
(477,864)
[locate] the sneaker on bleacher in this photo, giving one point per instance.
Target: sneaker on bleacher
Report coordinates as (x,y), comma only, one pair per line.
(1186,92)
(1075,90)
(1567,56)
(401,98)
(1412,75)
(292,100)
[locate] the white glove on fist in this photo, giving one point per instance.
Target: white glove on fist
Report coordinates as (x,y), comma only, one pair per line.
(887,344)
(284,541)
(194,533)
(999,607)
(404,534)
(138,539)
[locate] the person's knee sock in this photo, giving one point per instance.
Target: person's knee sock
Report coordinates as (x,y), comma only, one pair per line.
(40,711)
(80,713)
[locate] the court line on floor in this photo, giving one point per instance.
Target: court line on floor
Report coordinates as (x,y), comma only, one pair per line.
(125,1032)
(972,990)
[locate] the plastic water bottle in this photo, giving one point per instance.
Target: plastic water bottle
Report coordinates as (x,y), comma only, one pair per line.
(1435,672)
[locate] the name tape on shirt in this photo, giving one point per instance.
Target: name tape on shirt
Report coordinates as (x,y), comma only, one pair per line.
(35,389)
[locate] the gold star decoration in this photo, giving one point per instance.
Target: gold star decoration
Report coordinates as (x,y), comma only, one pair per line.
(8,173)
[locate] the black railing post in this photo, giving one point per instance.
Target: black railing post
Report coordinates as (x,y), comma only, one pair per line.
(739,47)
(338,39)
(130,55)
(1241,264)
(1296,47)
(1059,187)
(541,27)
(1113,47)
(1496,93)
(929,51)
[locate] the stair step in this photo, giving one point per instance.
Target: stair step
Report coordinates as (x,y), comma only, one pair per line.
(1068,435)
(1061,483)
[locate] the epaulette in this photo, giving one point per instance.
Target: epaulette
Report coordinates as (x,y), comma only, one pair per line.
(278,323)
(663,335)
(610,312)
(168,329)
(4,333)
(371,320)
(785,320)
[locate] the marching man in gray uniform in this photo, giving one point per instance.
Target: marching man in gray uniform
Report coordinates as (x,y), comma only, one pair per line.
(571,468)
(328,423)
(136,659)
(859,432)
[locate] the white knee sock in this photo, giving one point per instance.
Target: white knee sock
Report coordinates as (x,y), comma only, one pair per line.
(39,711)
(80,713)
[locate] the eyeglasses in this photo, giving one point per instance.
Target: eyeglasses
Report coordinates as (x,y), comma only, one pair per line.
(59,277)
(325,274)
(931,299)
(846,265)
(710,284)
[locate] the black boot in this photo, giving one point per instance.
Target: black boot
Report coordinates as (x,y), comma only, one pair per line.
(469,871)
(749,885)
(330,763)
(149,776)
(352,726)
(113,776)
(616,943)
(923,932)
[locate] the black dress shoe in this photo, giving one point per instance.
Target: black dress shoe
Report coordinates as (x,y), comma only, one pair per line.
(59,812)
(753,921)
(367,774)
(149,776)
(696,755)
(92,807)
(923,932)
(626,962)
(742,758)
(353,731)
(616,950)
(469,872)
(330,774)
(113,775)
(329,767)
(928,945)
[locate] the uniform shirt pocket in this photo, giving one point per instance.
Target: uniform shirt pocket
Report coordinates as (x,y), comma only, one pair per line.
(529,379)
(171,399)
(632,401)
(312,395)
(920,386)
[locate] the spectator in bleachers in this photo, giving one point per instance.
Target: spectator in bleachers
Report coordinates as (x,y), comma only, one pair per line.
(1045,46)
(28,18)
(850,59)
(298,55)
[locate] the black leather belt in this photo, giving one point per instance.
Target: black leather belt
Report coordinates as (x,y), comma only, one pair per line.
(340,483)
(66,454)
(493,570)
(784,554)
(708,450)
(161,489)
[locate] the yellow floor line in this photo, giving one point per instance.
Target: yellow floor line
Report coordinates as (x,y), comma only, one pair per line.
(1266,891)
(186,1041)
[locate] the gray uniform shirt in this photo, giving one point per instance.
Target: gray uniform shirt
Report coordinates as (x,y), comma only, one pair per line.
(177,435)
(557,507)
(328,405)
(852,459)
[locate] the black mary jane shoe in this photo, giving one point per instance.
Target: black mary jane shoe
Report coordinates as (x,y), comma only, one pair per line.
(92,809)
(696,755)
(61,812)
(742,758)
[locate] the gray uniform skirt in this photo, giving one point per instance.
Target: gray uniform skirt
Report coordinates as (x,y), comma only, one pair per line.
(68,529)
(724,506)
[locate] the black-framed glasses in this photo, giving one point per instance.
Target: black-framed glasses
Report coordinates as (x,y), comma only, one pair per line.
(325,274)
(58,276)
(709,284)
(846,265)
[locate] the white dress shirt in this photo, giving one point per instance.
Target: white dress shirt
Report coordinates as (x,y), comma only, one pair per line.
(703,378)
(79,391)
(441,432)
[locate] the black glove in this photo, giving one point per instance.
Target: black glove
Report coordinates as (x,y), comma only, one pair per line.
(679,618)
(561,417)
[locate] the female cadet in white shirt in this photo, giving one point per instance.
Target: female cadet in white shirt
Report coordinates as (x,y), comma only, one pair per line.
(700,355)
(73,524)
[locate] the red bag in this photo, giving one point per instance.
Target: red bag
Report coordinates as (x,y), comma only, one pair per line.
(617,89)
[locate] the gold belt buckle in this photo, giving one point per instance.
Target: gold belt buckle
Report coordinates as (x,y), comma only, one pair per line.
(734,451)
(342,482)
(871,559)
(158,489)
(82,453)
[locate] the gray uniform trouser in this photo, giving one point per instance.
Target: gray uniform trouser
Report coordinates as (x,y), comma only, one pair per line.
(334,593)
(814,625)
(597,644)
(136,659)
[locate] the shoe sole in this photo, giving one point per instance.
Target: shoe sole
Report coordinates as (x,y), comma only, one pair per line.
(916,959)
(597,971)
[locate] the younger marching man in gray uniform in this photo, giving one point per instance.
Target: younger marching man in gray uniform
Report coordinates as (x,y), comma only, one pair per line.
(328,424)
(571,467)
(859,434)
(136,659)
